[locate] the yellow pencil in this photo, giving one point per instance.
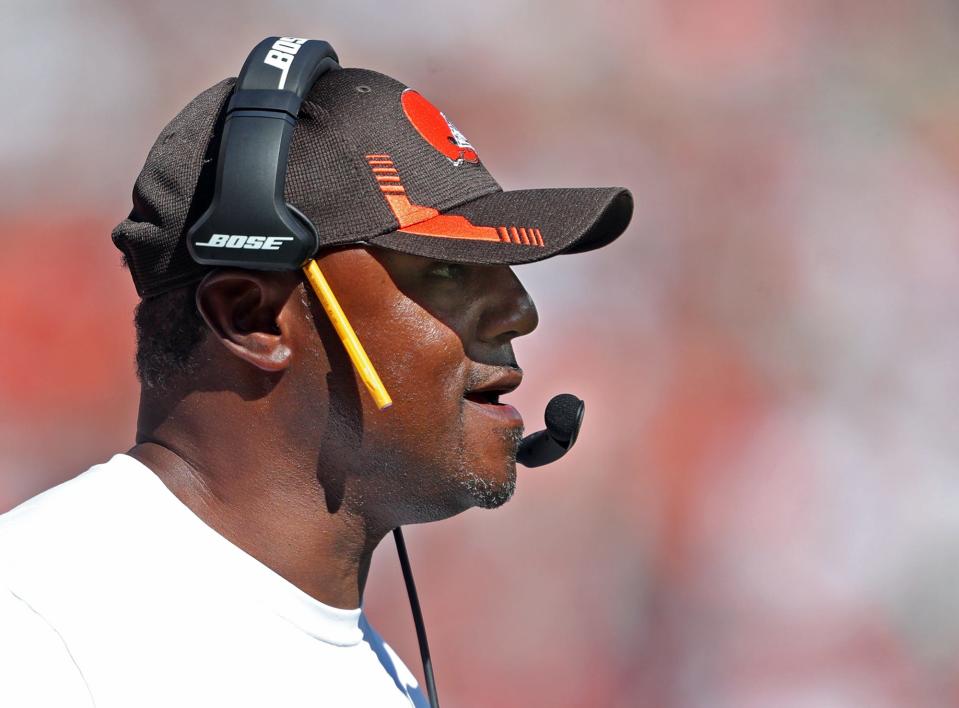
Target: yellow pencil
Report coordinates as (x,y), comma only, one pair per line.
(361,362)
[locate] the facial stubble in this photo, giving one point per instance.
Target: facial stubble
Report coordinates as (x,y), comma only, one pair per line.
(486,493)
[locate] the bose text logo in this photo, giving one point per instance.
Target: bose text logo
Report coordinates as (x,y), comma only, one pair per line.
(281,55)
(253,243)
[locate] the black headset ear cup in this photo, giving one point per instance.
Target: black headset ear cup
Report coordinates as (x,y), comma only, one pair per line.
(301,217)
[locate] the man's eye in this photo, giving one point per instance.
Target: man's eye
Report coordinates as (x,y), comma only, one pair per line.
(451,271)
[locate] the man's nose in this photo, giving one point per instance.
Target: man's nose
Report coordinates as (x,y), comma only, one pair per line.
(510,311)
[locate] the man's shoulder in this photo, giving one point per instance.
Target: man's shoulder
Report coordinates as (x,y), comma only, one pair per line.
(67,509)
(60,532)
(36,666)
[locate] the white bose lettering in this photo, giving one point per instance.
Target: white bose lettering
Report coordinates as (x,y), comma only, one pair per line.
(254,243)
(289,47)
(216,241)
(281,55)
(280,60)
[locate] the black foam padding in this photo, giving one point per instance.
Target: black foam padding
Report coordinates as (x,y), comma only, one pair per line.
(563,415)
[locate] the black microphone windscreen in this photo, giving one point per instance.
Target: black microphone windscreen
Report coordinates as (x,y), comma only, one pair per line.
(563,414)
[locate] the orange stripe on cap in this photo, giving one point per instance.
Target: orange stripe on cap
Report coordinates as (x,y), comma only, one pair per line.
(452,226)
(427,221)
(405,212)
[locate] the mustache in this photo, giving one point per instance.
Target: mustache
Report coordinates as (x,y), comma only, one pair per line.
(480,373)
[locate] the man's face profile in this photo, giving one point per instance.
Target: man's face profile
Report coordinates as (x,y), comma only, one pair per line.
(441,337)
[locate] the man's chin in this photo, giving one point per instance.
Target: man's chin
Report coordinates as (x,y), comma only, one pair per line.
(490,494)
(492,490)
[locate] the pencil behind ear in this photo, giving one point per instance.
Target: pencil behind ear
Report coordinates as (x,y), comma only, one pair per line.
(361,362)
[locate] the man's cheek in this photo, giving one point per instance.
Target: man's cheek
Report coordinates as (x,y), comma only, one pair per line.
(427,358)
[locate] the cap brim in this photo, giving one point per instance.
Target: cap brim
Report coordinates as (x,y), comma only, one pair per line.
(519,226)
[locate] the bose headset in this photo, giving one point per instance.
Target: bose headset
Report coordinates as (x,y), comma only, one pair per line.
(248,208)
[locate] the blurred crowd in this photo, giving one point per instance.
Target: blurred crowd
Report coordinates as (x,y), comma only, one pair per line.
(763,508)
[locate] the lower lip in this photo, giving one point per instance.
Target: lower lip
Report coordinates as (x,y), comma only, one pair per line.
(504,413)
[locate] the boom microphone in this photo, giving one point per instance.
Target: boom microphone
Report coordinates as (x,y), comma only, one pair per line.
(564,416)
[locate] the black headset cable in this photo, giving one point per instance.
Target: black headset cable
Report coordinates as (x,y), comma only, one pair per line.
(417,617)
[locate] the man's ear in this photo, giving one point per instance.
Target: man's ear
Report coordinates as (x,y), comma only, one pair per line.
(244,308)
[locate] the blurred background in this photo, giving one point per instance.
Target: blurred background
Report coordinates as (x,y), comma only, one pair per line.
(763,508)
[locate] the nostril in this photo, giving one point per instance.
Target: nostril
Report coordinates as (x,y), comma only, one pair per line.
(509,311)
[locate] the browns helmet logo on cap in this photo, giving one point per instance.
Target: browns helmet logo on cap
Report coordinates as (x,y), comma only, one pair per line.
(437,129)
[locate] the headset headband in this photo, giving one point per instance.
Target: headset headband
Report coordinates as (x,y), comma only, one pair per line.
(248,224)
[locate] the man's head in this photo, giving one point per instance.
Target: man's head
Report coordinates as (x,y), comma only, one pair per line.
(265,361)
(416,239)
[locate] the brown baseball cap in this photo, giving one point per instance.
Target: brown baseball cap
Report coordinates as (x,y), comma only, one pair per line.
(374,162)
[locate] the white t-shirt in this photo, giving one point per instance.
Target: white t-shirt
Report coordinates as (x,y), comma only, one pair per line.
(114,594)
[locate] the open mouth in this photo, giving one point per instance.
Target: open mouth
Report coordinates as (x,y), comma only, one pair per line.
(484,398)
(487,397)
(488,404)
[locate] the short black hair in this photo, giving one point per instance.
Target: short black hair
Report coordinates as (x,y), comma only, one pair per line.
(169,331)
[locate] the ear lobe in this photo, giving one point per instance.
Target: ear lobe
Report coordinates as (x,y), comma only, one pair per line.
(243,308)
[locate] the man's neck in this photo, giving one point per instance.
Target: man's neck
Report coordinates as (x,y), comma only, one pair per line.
(282,521)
